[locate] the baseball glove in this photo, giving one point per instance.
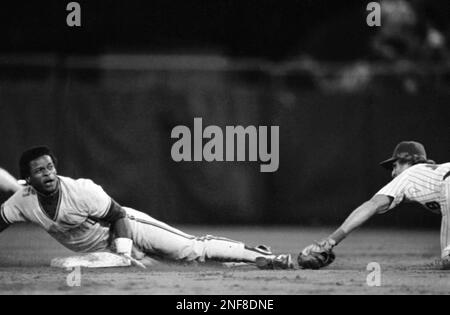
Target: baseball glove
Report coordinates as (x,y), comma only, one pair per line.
(317,256)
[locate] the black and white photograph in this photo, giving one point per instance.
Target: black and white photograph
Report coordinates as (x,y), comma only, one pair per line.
(225,153)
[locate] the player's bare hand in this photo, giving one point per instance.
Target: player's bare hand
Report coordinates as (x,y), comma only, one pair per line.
(134,261)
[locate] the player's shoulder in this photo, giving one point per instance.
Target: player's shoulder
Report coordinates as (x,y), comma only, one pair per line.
(426,171)
(21,196)
(77,184)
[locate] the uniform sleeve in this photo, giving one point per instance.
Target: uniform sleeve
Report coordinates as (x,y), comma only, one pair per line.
(396,189)
(3,223)
(97,202)
(10,214)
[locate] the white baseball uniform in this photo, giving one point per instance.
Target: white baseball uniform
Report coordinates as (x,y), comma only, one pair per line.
(78,226)
(428,185)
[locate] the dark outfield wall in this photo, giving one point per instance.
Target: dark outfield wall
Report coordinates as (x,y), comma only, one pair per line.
(114,127)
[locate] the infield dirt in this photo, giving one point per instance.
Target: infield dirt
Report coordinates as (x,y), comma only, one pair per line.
(407,260)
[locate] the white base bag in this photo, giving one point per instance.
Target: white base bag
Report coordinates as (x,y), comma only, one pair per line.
(91,260)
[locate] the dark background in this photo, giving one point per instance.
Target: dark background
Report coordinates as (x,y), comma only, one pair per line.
(106,96)
(328,30)
(239,28)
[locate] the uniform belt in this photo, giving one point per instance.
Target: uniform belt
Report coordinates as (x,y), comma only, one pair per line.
(446,175)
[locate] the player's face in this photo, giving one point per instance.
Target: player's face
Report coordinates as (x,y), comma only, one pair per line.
(399,168)
(43,175)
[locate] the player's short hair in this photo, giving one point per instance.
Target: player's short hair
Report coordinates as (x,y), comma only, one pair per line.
(32,154)
(415,159)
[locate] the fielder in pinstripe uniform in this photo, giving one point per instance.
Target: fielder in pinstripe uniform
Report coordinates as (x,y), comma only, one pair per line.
(83,218)
(415,179)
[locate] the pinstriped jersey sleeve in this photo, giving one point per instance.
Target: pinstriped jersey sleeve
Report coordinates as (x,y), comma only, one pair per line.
(397,189)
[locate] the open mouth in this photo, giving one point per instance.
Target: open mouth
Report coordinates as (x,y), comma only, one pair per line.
(49,182)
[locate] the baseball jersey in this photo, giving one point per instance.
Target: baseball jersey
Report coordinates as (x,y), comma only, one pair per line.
(77,223)
(422,183)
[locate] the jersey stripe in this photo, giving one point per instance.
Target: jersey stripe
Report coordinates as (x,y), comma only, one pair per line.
(3,216)
(133,218)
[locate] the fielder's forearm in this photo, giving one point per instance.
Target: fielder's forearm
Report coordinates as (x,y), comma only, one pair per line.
(355,220)
(360,216)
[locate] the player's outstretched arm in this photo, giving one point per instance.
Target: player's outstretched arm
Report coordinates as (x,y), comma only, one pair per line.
(122,228)
(321,254)
(124,242)
(7,182)
(8,185)
(120,224)
(378,204)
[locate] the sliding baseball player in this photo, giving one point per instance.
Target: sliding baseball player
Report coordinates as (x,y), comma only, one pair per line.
(416,179)
(83,218)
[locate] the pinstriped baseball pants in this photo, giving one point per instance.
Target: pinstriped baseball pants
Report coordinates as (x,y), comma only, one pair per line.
(445,208)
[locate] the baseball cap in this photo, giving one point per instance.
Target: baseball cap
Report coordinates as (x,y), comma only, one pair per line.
(405,149)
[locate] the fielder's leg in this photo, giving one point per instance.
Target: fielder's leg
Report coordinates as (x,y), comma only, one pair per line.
(445,230)
(157,238)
